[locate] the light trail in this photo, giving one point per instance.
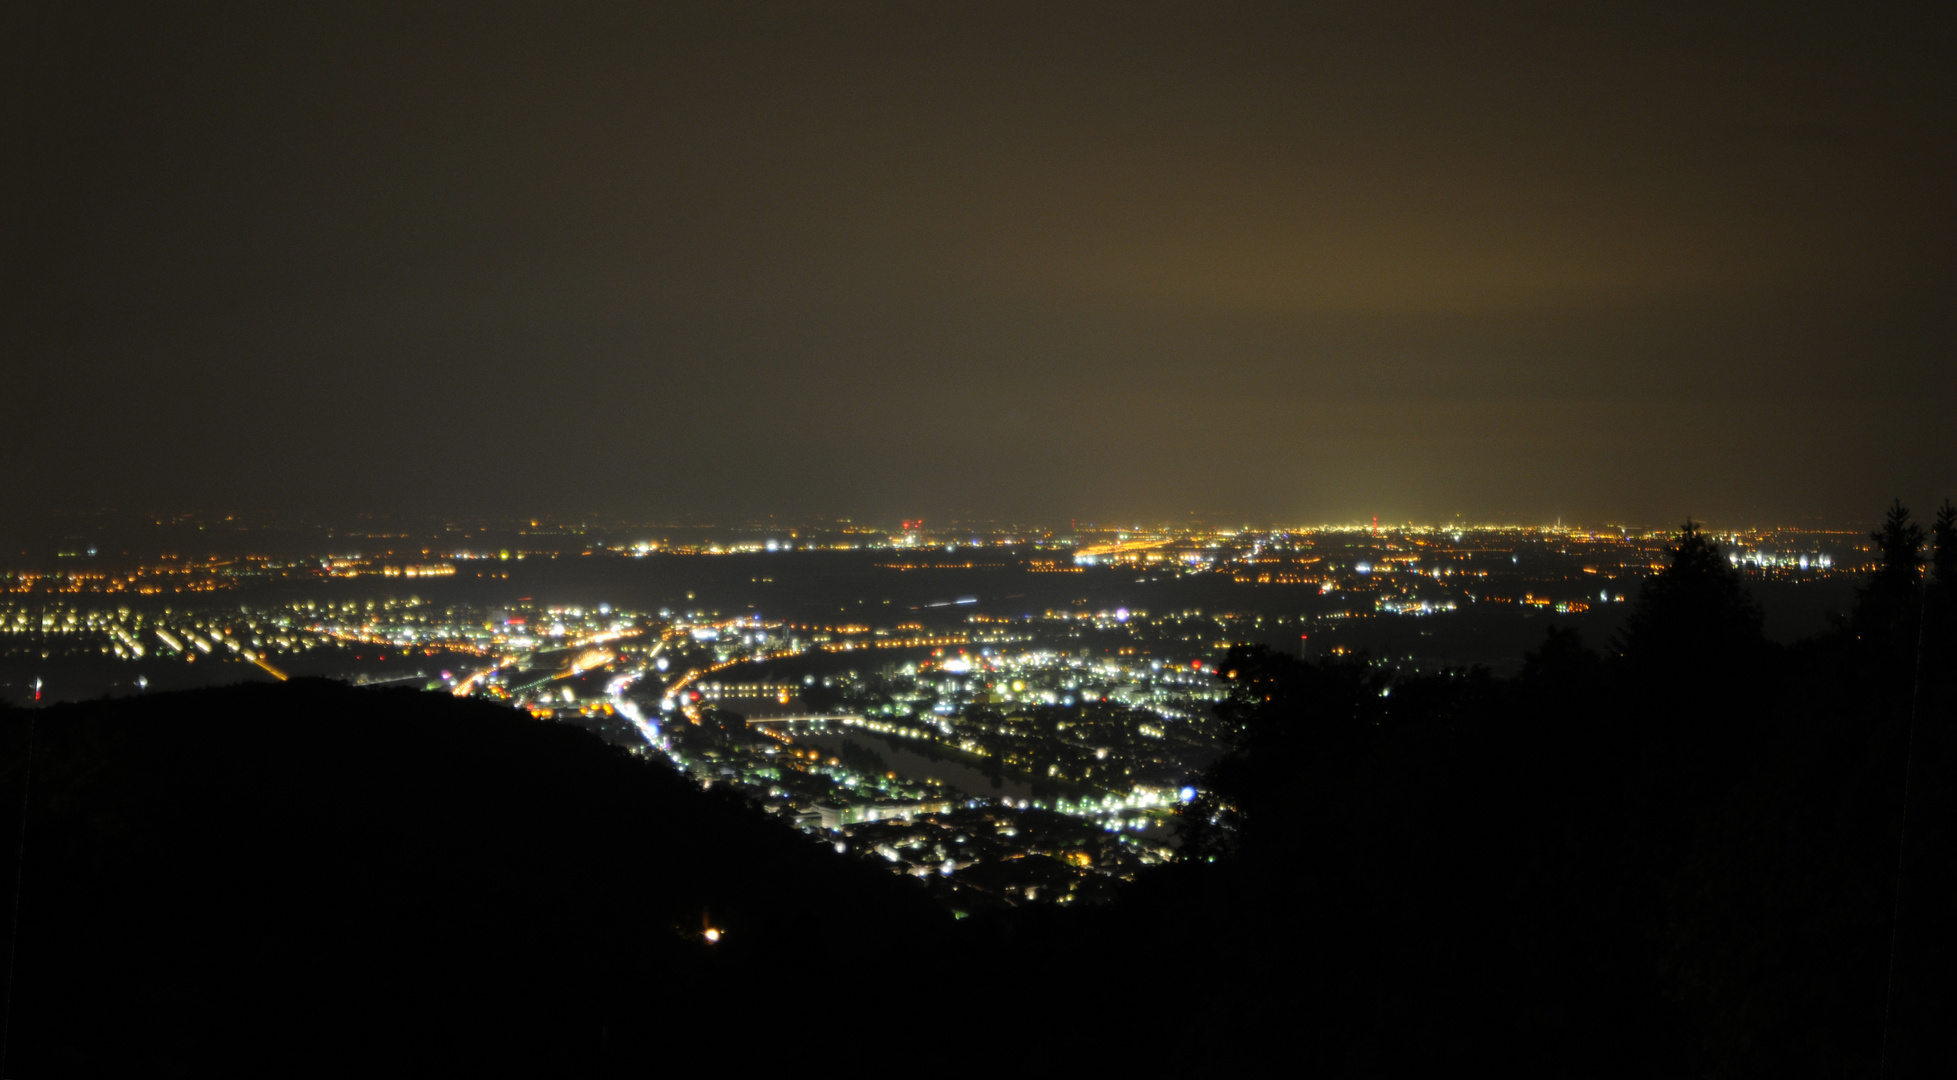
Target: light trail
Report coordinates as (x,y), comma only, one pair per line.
(267,665)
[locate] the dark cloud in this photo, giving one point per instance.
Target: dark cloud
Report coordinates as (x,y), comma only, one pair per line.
(1290,261)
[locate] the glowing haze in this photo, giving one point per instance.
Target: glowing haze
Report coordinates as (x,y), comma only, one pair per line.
(1300,263)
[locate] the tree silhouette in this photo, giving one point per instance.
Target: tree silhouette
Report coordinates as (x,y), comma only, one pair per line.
(1943,565)
(1562,674)
(1677,857)
(1887,604)
(1944,535)
(1693,615)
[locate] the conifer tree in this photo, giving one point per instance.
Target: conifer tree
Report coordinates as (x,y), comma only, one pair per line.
(1943,540)
(1887,604)
(1693,615)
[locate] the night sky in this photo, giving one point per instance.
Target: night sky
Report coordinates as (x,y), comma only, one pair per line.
(1283,262)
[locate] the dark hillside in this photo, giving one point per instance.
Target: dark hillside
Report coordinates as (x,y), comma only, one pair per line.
(269,878)
(1682,854)
(1678,852)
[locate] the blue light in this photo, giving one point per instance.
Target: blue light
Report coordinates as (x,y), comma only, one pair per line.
(1187,794)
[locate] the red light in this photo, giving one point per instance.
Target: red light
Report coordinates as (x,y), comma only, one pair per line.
(1196,665)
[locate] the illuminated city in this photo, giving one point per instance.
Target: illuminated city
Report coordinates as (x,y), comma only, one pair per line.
(1003,753)
(1359,540)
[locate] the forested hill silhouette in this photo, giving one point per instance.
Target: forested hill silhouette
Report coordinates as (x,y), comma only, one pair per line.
(1680,852)
(1676,856)
(272,879)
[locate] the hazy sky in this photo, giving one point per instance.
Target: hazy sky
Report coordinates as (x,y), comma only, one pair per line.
(1268,261)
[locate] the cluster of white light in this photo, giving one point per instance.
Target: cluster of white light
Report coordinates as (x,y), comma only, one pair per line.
(1772,560)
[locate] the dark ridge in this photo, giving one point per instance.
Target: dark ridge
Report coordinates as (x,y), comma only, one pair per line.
(1695,852)
(275,878)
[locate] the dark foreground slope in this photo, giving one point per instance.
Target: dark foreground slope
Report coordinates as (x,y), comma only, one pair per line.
(1682,855)
(277,878)
(1687,855)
